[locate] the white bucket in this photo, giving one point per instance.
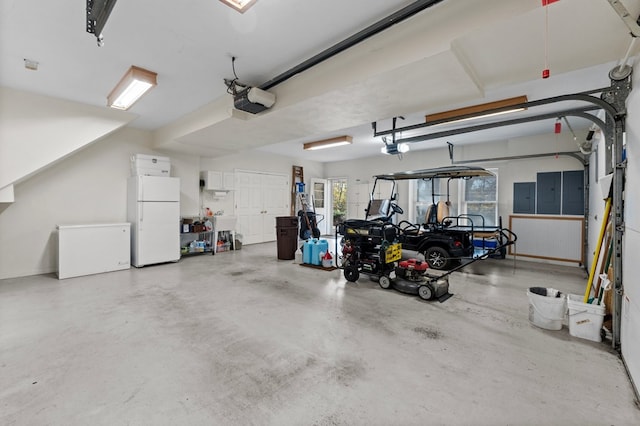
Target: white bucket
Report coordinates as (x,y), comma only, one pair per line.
(547,311)
(585,320)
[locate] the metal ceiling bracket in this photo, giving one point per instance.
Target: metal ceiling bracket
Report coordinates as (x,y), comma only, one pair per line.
(583,112)
(583,96)
(573,154)
(97,14)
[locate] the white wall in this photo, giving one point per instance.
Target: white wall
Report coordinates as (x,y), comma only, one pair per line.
(186,167)
(630,333)
(37,130)
(255,161)
(87,187)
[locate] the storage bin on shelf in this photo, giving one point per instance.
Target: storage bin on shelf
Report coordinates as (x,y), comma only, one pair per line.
(196,236)
(223,246)
(224,228)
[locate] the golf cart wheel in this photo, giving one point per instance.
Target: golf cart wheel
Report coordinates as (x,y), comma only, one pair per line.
(351,273)
(425,291)
(437,258)
(385,282)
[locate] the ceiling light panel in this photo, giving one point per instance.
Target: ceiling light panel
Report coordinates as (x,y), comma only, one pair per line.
(328,143)
(133,84)
(239,5)
(488,109)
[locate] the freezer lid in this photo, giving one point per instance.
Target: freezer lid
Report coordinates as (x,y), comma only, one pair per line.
(156,188)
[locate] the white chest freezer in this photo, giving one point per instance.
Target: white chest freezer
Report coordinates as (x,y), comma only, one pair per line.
(92,249)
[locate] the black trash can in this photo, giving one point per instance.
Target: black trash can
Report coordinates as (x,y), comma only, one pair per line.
(287,236)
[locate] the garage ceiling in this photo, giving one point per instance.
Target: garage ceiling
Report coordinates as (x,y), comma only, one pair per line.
(450,55)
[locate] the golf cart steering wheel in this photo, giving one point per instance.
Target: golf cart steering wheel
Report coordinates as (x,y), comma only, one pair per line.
(396,208)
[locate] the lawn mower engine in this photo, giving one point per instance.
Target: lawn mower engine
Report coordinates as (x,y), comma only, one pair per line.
(412,278)
(412,270)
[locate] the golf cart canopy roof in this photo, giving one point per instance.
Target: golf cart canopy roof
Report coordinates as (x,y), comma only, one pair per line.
(451,172)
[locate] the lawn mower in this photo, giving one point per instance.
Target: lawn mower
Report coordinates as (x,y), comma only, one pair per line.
(371,248)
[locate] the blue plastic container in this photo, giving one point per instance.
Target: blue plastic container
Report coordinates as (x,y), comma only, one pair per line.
(320,246)
(487,244)
(307,249)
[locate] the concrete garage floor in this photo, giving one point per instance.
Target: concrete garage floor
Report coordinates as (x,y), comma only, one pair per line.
(242,338)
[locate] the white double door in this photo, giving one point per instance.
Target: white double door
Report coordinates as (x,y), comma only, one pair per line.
(260,198)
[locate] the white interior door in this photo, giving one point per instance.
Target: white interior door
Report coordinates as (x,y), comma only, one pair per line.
(260,197)
(249,200)
(320,192)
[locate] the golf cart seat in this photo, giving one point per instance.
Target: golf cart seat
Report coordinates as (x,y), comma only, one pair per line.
(437,214)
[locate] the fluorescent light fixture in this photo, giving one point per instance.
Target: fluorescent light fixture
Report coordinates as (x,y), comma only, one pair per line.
(328,143)
(502,105)
(393,149)
(239,5)
(31,64)
(133,84)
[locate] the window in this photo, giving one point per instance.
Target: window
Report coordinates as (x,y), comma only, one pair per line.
(425,197)
(339,200)
(318,195)
(480,197)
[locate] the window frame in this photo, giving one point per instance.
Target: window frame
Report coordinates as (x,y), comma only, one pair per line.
(463,203)
(413,201)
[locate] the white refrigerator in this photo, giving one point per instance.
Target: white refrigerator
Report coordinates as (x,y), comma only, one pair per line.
(153,209)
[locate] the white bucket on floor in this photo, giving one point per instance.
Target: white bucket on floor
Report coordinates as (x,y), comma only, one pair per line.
(585,319)
(547,311)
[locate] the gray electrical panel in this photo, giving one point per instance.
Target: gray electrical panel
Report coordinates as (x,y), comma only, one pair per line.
(549,192)
(524,197)
(573,192)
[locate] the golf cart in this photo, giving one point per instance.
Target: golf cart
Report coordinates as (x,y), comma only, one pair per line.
(443,239)
(373,246)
